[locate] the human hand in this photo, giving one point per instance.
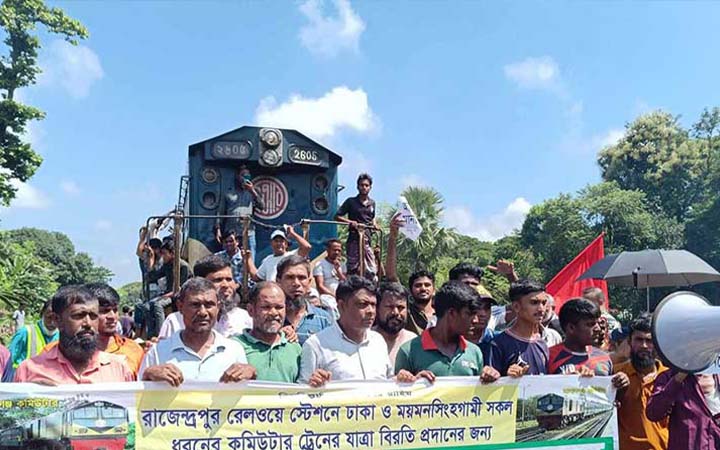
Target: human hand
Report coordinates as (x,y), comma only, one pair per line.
(238,372)
(516,370)
(249,185)
(168,373)
(396,222)
(503,267)
(404,376)
(620,380)
(319,378)
(586,372)
(218,235)
(290,333)
(489,374)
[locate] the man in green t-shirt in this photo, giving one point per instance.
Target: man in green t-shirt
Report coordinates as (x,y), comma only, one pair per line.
(266,347)
(442,349)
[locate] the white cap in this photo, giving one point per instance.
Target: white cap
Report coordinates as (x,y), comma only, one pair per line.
(277,233)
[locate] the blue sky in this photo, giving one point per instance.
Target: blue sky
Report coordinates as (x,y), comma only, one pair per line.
(497,105)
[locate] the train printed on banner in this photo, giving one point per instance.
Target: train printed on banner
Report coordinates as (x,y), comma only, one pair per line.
(558,411)
(96,425)
(296,177)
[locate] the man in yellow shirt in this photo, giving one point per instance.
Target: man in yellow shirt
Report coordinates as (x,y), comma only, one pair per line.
(636,431)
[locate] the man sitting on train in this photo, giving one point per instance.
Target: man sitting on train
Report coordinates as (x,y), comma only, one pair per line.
(109,340)
(279,243)
(232,319)
(197,352)
(76,359)
(329,272)
(239,201)
(442,350)
(157,305)
(302,318)
(233,254)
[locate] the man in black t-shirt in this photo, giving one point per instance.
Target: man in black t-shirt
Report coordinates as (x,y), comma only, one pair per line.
(360,212)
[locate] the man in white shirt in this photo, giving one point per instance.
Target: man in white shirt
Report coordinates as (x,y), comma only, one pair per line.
(330,271)
(279,243)
(232,319)
(349,349)
(197,352)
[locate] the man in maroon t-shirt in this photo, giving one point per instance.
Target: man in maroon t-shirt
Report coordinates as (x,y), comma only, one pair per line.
(360,212)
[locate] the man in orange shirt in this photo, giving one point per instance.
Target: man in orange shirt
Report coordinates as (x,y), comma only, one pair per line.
(76,359)
(636,431)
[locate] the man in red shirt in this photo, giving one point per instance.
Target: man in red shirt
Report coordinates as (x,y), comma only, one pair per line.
(76,359)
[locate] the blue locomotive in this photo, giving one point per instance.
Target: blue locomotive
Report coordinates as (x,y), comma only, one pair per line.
(296,178)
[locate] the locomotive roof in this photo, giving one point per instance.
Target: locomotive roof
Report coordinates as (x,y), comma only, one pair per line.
(291,135)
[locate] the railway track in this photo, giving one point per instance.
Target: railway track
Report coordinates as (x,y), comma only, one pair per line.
(590,428)
(529,434)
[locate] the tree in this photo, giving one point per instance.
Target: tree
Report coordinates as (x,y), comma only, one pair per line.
(130,294)
(657,157)
(18,69)
(58,251)
(25,279)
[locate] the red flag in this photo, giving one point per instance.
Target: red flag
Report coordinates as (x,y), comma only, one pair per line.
(563,285)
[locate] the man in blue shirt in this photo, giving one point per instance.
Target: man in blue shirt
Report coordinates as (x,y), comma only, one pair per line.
(29,340)
(302,318)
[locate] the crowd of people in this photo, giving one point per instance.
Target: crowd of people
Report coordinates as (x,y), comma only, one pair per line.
(315,325)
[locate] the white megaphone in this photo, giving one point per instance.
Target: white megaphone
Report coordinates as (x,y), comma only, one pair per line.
(686,332)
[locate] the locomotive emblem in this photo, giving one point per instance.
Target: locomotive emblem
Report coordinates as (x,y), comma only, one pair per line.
(274,194)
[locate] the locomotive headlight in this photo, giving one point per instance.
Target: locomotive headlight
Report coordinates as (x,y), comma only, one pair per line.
(270,137)
(271,157)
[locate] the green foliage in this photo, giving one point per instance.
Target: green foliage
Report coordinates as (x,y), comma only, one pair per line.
(18,68)
(130,293)
(25,279)
(67,267)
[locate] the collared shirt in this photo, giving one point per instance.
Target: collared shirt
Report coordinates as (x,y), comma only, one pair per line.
(210,367)
(417,319)
(636,431)
(422,353)
(344,358)
(52,367)
(236,264)
(277,362)
(314,321)
(121,346)
(690,425)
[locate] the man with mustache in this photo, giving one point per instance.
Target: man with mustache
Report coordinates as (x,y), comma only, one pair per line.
(232,319)
(392,317)
(442,350)
(109,340)
(302,319)
(349,349)
(76,359)
(197,352)
(636,431)
(266,346)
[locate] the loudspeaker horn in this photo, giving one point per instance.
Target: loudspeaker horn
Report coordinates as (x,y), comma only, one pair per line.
(685,331)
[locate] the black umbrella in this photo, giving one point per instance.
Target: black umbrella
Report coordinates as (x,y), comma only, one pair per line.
(652,268)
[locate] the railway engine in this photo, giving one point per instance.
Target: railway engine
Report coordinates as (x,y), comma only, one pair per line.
(94,425)
(556,411)
(295,176)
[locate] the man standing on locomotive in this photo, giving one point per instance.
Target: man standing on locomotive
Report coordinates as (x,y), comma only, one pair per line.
(239,201)
(360,212)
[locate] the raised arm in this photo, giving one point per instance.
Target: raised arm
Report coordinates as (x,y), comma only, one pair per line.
(303,245)
(667,390)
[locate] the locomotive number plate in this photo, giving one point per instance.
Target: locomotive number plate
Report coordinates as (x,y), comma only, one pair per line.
(231,150)
(313,157)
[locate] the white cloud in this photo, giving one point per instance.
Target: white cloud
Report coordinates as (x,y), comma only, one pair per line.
(327,35)
(341,108)
(28,196)
(69,187)
(534,73)
(73,67)
(575,143)
(103,225)
(489,228)
(412,180)
(611,137)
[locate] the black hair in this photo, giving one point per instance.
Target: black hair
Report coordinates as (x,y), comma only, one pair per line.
(254,293)
(169,245)
(364,176)
(155,243)
(105,294)
(420,274)
(352,284)
(47,305)
(521,288)
(229,233)
(291,261)
(209,264)
(70,295)
(333,241)
(195,285)
(455,295)
(394,289)
(126,309)
(642,323)
(465,268)
(577,309)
